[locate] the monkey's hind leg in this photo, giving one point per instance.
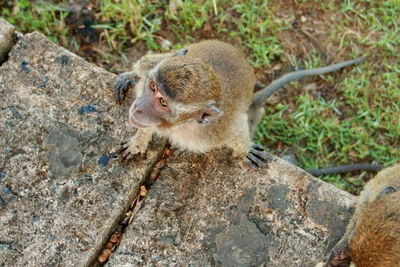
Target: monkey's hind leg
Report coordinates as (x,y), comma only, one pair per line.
(239,141)
(137,144)
(256,157)
(122,84)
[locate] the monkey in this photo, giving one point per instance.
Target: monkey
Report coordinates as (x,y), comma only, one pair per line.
(372,237)
(201,98)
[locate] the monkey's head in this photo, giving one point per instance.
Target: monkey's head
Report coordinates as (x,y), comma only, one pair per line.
(177,90)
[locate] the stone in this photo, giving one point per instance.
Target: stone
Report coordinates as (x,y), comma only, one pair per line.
(7,38)
(206,210)
(62,190)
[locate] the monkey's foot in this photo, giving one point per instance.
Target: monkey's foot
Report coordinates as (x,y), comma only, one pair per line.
(122,84)
(129,148)
(257,157)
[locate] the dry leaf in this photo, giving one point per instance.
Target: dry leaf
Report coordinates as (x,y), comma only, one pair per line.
(105,254)
(143,191)
(168,152)
(115,238)
(109,245)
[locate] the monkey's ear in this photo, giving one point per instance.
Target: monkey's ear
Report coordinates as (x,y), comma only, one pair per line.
(181,52)
(386,191)
(209,114)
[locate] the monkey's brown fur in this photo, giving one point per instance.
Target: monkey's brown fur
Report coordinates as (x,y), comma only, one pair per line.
(376,239)
(372,237)
(210,72)
(228,79)
(207,95)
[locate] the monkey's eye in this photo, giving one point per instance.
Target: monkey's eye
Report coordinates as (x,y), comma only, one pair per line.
(163,102)
(152,86)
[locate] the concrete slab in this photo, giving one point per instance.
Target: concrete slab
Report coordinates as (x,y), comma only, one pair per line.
(61,191)
(205,210)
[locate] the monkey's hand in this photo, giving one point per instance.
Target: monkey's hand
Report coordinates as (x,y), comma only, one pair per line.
(135,145)
(257,157)
(340,256)
(122,84)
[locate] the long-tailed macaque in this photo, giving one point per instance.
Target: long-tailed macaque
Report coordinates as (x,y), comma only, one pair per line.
(201,98)
(372,238)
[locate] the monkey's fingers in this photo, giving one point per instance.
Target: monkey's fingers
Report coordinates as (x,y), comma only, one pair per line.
(122,84)
(257,157)
(126,155)
(123,151)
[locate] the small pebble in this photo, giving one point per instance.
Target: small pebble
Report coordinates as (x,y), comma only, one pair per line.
(64,59)
(87,109)
(103,160)
(25,67)
(15,112)
(45,82)
(36,220)
(6,190)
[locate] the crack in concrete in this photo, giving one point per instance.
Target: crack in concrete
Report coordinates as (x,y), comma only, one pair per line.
(120,223)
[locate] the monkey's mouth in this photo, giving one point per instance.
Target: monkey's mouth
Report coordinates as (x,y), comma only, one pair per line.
(136,123)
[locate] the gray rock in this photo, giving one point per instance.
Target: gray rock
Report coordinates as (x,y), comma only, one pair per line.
(205,210)
(7,37)
(61,191)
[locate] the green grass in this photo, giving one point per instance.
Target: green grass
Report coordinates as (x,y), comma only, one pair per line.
(40,16)
(363,123)
(360,124)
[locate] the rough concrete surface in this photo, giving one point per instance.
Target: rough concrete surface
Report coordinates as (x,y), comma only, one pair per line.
(205,210)
(61,191)
(7,37)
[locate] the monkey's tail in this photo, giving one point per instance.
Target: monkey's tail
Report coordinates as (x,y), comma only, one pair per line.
(345,169)
(261,97)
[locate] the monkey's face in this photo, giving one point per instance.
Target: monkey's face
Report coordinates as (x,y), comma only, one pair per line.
(176,91)
(151,108)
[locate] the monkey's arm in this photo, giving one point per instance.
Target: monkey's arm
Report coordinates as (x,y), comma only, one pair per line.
(137,144)
(261,97)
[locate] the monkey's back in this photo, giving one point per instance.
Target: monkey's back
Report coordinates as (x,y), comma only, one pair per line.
(376,240)
(235,74)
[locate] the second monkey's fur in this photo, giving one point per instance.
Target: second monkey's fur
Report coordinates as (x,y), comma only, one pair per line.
(372,237)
